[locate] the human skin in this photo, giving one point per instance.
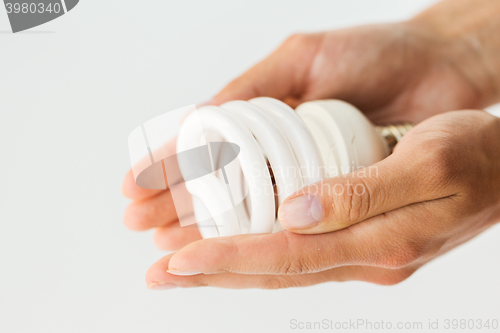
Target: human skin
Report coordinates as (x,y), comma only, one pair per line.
(440,187)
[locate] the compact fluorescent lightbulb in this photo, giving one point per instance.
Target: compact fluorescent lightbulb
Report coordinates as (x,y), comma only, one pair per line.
(281,151)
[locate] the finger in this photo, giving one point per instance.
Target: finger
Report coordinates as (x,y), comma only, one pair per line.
(280,75)
(339,202)
(392,240)
(157,277)
(375,275)
(132,191)
(156,211)
(173,237)
(282,253)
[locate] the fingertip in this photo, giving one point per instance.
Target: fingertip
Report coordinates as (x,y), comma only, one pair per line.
(131,191)
(242,88)
(158,271)
(209,102)
(195,257)
(134,217)
(127,186)
(222,254)
(224,97)
(162,239)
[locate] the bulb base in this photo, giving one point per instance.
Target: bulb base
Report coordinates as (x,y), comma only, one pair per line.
(394,133)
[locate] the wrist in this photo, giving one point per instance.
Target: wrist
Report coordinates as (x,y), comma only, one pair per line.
(468,32)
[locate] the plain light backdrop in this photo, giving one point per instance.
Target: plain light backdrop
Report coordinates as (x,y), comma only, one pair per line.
(70,93)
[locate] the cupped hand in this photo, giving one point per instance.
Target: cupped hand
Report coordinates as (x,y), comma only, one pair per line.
(392,72)
(387,223)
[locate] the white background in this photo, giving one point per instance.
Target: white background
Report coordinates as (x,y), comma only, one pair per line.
(70,93)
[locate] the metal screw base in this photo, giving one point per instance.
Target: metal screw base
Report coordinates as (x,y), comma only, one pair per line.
(393,133)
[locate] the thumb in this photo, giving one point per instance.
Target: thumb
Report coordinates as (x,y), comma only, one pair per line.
(281,75)
(336,203)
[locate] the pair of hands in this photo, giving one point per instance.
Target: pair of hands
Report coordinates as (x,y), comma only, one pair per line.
(439,188)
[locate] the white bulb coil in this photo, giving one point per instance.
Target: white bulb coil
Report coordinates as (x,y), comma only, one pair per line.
(322,139)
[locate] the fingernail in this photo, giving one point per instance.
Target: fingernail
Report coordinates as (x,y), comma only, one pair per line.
(182,273)
(161,286)
(302,212)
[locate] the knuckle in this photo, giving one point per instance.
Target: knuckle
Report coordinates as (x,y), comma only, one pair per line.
(401,255)
(394,277)
(192,283)
(350,202)
(224,249)
(442,165)
(295,261)
(134,219)
(161,239)
(274,283)
(166,239)
(298,40)
(291,267)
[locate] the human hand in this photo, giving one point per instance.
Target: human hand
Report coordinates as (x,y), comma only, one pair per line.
(412,211)
(438,61)
(401,72)
(393,72)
